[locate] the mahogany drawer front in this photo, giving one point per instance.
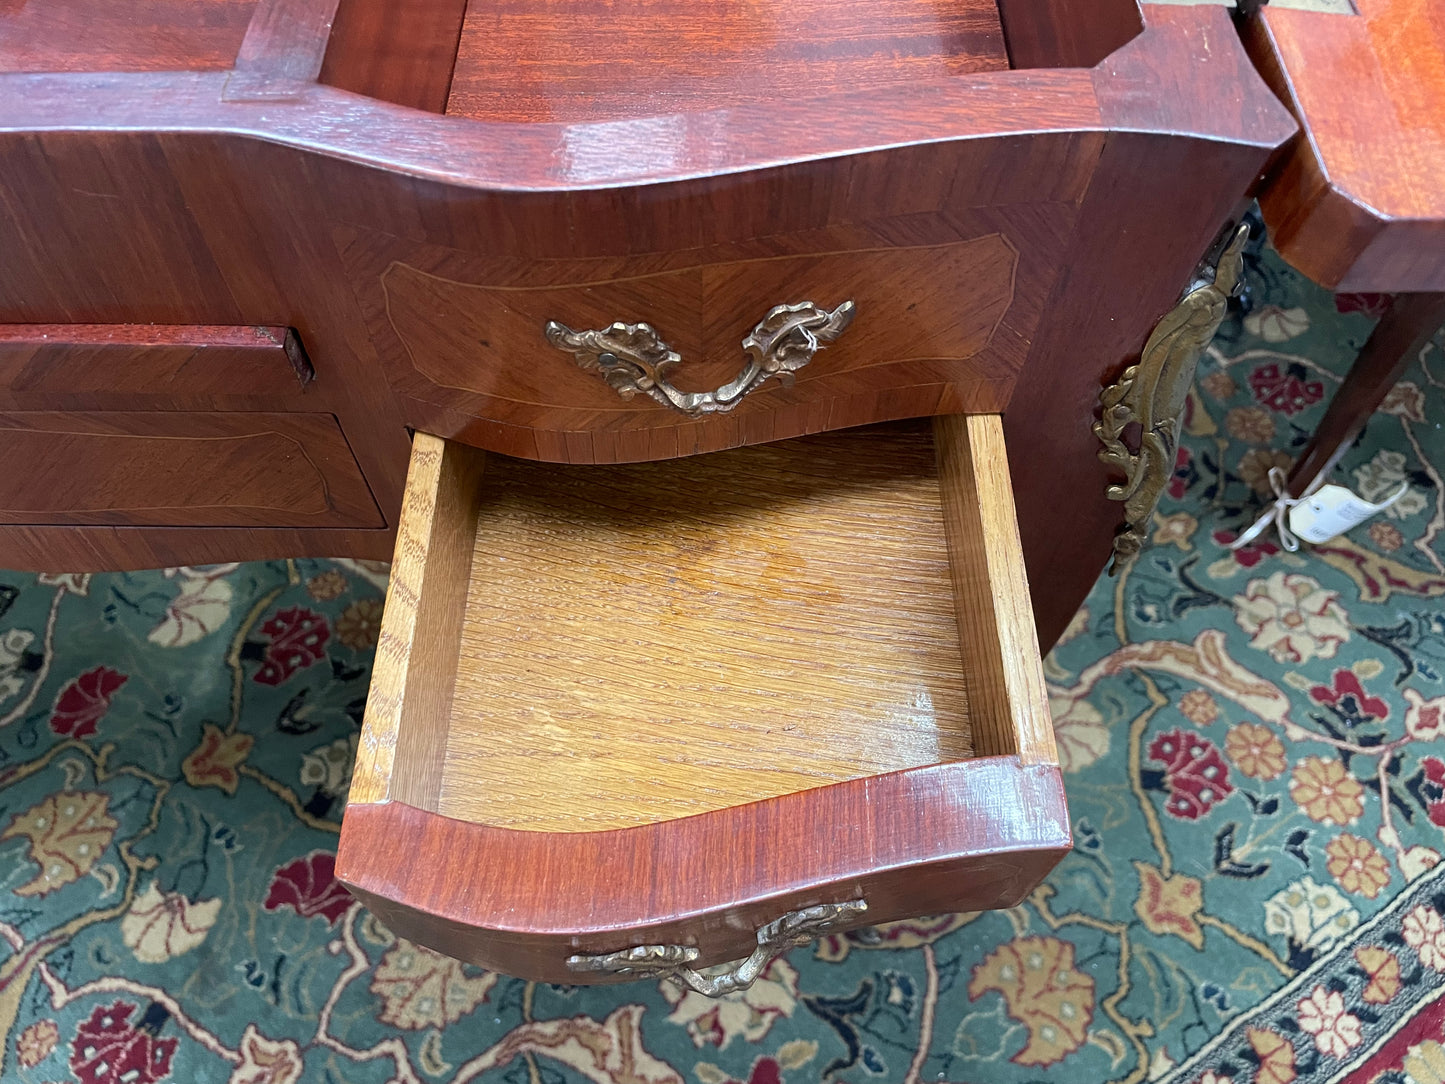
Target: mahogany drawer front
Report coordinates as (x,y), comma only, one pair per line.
(140,366)
(937,327)
(180,468)
(632,706)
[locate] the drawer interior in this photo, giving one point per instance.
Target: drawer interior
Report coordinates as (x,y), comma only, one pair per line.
(629,644)
(659,639)
(665,658)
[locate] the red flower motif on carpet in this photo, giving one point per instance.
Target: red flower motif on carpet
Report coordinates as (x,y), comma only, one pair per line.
(1249,555)
(298,639)
(84,701)
(309,887)
(765,1071)
(1195,774)
(109,1049)
(1184,475)
(1424,719)
(1285,390)
(1367,304)
(1349,700)
(1431,788)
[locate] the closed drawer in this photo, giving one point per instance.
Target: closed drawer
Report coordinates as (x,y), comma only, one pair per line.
(941,326)
(148,366)
(671,704)
(180,468)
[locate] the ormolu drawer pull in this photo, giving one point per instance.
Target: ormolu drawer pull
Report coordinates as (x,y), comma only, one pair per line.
(672,961)
(633,358)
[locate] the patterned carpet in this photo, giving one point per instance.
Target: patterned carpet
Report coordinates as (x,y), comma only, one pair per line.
(1255,767)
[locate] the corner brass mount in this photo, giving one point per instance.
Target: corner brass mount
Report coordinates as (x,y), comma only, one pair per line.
(1153,393)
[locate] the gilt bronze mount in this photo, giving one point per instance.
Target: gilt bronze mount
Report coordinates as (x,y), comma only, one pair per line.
(634,358)
(673,962)
(1153,393)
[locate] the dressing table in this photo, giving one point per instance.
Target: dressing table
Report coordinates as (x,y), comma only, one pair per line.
(725,379)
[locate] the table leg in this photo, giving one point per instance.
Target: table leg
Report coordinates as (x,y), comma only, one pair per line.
(1403,331)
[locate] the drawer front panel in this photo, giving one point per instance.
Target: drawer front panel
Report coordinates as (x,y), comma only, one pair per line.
(180,468)
(114,366)
(937,327)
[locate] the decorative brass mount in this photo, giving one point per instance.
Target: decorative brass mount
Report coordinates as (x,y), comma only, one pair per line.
(673,962)
(633,357)
(1153,395)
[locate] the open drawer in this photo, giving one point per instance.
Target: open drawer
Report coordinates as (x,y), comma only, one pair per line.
(626,719)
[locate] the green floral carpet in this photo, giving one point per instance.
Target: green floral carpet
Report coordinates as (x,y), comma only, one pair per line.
(1256,774)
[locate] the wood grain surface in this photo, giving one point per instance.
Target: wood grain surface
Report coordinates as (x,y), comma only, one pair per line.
(1067,33)
(208,197)
(945,321)
(523,157)
(400,51)
(966,836)
(1170,223)
(283,50)
(577,61)
(649,641)
(179,468)
(409,705)
(1358,204)
(99,366)
(607,713)
(121,35)
(1008,704)
(42,548)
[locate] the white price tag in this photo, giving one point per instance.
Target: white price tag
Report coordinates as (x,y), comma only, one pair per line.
(1332,510)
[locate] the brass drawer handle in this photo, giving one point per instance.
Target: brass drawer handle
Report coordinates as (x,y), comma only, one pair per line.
(633,357)
(672,961)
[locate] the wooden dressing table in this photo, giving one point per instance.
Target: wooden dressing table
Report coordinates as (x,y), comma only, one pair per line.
(637,709)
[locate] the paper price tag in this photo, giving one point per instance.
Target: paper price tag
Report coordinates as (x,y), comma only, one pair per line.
(1333,510)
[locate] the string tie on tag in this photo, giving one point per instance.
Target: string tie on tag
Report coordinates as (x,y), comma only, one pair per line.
(1321,515)
(1277,513)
